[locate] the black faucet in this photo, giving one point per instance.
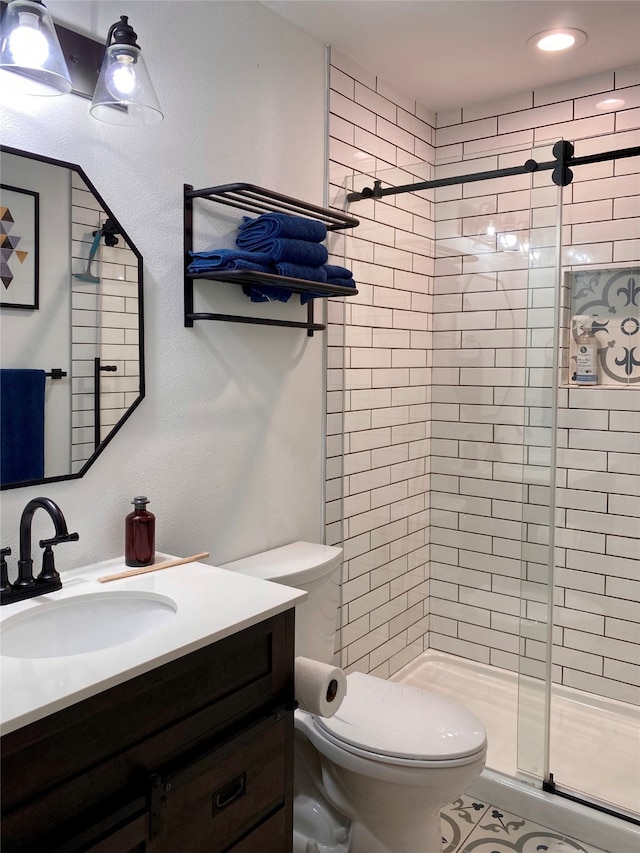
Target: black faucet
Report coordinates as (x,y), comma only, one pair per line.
(26,586)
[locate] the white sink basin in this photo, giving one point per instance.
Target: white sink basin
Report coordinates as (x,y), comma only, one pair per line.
(84,623)
(61,648)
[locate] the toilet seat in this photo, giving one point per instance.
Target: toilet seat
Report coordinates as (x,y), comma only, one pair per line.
(398,724)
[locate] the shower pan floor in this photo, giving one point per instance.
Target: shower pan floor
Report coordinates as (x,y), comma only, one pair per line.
(595,743)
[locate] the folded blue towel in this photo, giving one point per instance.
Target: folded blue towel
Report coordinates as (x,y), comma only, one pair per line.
(21,425)
(336,272)
(229,259)
(299,271)
(278,250)
(238,264)
(253,232)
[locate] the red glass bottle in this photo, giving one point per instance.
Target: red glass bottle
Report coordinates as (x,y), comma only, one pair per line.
(140,534)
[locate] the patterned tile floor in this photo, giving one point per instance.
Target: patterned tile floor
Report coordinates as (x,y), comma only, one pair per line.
(469,826)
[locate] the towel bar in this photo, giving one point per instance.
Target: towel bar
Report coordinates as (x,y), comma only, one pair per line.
(258,200)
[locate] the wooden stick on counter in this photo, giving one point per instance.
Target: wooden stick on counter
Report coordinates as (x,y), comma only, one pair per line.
(155,568)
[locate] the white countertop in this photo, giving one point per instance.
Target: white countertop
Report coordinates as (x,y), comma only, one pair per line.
(212,603)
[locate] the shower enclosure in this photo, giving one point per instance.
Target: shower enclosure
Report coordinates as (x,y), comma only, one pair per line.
(533,496)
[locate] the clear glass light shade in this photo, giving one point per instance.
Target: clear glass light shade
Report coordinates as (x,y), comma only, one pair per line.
(29,48)
(124,93)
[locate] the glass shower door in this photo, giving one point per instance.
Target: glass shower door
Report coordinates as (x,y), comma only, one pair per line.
(539,430)
(594,735)
(579,668)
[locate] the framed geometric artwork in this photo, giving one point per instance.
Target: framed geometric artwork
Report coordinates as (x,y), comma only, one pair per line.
(19,229)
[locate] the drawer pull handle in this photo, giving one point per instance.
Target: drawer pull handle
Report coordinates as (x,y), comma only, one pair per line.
(226,795)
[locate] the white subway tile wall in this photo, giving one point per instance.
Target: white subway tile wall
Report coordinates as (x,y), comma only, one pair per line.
(446,420)
(104,325)
(380,372)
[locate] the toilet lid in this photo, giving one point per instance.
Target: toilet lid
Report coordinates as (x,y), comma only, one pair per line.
(398,720)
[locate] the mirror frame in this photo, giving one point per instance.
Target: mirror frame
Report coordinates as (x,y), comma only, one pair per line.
(5,149)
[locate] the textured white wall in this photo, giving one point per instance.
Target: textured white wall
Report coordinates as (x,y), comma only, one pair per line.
(228,441)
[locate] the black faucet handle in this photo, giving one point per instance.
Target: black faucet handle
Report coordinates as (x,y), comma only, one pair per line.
(57,540)
(5,586)
(49,573)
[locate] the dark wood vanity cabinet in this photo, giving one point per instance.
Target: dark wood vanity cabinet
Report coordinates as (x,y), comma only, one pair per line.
(195,756)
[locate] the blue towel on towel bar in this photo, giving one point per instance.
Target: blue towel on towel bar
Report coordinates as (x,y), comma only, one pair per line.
(21,425)
(335,273)
(342,282)
(278,250)
(229,259)
(266,293)
(253,232)
(299,271)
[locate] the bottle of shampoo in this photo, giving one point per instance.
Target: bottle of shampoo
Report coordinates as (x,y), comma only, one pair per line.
(586,357)
(140,534)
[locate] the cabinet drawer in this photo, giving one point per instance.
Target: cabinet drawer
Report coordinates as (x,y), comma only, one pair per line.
(205,806)
(270,837)
(131,838)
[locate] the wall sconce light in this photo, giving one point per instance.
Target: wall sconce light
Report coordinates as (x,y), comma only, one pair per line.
(30,48)
(66,61)
(124,93)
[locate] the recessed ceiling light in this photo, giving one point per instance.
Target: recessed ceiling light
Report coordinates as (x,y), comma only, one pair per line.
(610,104)
(555,40)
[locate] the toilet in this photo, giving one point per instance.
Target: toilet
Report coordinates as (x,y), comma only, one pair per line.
(373,777)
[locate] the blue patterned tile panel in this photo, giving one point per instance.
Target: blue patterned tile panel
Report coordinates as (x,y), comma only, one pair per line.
(609,302)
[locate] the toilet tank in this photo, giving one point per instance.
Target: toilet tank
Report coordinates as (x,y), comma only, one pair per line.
(315,569)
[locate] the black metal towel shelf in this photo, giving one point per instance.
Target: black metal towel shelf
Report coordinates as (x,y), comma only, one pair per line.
(257,200)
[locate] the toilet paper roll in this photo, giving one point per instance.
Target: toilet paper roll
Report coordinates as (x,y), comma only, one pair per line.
(320,687)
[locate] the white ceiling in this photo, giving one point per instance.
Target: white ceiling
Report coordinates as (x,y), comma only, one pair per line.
(451,53)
